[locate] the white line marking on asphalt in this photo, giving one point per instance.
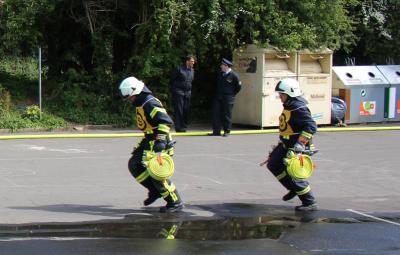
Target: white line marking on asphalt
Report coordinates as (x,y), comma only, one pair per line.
(373,217)
(16,172)
(202,177)
(237,160)
(43,148)
(14,185)
(342,250)
(183,187)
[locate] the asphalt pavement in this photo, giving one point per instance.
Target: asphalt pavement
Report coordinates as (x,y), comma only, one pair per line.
(72,193)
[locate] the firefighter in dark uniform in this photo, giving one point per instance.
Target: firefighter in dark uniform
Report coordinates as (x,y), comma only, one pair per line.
(296,128)
(227,86)
(154,121)
(181,88)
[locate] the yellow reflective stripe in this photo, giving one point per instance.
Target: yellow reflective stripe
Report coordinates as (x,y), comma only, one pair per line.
(155,110)
(304,191)
(171,188)
(174,196)
(281,176)
(170,151)
(143,176)
(173,229)
(286,137)
(165,194)
(164,232)
(164,128)
(306,135)
(147,154)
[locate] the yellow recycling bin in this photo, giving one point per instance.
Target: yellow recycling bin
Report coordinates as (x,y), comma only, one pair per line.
(260,70)
(315,79)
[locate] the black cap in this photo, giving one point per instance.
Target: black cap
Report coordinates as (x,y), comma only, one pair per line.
(226,62)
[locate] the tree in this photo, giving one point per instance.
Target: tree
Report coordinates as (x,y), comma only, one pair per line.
(378,32)
(20,27)
(90,45)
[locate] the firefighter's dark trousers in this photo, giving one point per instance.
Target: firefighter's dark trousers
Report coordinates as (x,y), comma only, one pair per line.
(165,189)
(278,169)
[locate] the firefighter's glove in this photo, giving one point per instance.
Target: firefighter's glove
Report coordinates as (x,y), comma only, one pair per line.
(298,147)
(159,146)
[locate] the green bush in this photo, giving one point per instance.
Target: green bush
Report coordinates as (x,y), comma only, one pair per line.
(13,120)
(32,112)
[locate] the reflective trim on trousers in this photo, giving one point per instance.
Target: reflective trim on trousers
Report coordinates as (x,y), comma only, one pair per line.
(281,176)
(304,191)
(143,176)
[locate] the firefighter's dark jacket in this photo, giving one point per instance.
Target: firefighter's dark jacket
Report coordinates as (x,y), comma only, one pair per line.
(228,84)
(295,120)
(151,117)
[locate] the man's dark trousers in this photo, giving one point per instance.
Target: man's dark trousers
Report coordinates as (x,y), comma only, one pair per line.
(181,103)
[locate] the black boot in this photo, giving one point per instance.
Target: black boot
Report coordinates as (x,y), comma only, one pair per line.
(308,203)
(289,196)
(174,203)
(172,207)
(307,208)
(152,197)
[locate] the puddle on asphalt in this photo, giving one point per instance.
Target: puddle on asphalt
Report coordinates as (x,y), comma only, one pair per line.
(230,222)
(216,229)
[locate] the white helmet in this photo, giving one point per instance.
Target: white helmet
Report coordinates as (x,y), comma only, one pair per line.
(130,87)
(288,86)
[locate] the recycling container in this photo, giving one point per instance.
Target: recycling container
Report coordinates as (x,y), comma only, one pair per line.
(315,79)
(392,94)
(260,69)
(363,90)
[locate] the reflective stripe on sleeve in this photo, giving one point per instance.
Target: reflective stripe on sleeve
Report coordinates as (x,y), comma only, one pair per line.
(156,110)
(306,135)
(163,128)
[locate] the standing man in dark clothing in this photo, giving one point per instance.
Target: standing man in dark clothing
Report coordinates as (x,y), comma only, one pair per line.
(181,87)
(228,85)
(296,128)
(153,120)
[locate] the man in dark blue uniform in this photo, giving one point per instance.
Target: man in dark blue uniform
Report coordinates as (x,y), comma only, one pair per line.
(181,88)
(228,85)
(296,128)
(153,120)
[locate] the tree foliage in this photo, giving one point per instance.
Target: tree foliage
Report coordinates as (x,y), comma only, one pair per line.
(378,31)
(90,45)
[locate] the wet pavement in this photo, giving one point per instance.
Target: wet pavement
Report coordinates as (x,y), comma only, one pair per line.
(75,196)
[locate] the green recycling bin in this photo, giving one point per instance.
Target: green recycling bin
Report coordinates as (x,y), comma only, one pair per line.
(392,94)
